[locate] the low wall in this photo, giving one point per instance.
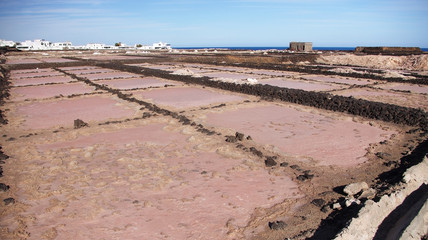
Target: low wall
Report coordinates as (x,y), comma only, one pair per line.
(389,50)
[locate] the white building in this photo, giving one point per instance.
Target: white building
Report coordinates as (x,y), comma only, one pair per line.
(62,45)
(161,45)
(95,46)
(5,43)
(41,44)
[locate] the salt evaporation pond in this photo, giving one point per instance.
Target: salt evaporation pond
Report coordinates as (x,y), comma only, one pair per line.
(40,115)
(339,80)
(229,75)
(391,97)
(47,91)
(22,61)
(41,80)
(57,60)
(35,74)
(325,140)
(90,71)
(77,68)
(108,75)
(414,88)
(131,83)
(307,86)
(185,97)
(163,186)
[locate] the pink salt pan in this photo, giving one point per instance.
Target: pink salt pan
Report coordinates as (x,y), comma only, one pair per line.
(339,80)
(56,60)
(90,71)
(139,194)
(22,61)
(269,73)
(229,75)
(47,91)
(108,75)
(414,88)
(77,68)
(326,140)
(63,112)
(385,96)
(41,80)
(186,97)
(37,74)
(307,86)
(131,83)
(114,57)
(18,73)
(159,67)
(224,68)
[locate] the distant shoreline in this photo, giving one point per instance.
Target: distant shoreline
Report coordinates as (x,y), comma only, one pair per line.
(278,48)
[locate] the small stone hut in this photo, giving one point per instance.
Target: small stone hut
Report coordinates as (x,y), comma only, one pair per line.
(301,46)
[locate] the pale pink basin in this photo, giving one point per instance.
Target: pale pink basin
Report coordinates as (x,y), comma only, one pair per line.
(414,88)
(326,140)
(114,57)
(47,91)
(18,73)
(56,60)
(308,86)
(35,74)
(269,73)
(126,189)
(108,75)
(339,80)
(131,83)
(63,112)
(229,75)
(385,96)
(22,61)
(90,71)
(41,80)
(77,68)
(186,97)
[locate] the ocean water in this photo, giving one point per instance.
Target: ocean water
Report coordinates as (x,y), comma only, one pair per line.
(279,48)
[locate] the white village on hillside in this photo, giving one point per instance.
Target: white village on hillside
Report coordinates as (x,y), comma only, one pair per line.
(42,44)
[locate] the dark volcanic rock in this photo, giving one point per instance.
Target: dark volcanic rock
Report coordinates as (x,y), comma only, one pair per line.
(284,164)
(79,124)
(239,136)
(4,187)
(318,202)
(305,176)
(256,152)
(270,162)
(231,139)
(277,225)
(8,201)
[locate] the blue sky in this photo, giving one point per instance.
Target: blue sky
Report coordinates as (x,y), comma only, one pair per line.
(187,23)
